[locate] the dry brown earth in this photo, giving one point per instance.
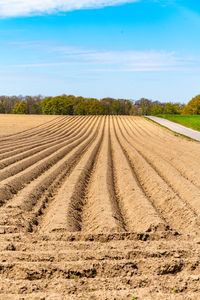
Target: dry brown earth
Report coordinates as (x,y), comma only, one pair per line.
(98,208)
(10,124)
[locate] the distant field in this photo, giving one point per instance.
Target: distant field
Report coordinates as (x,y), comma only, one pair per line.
(11,124)
(188,121)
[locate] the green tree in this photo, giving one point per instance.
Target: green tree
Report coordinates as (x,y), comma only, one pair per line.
(115,107)
(107,102)
(157,109)
(95,107)
(81,108)
(89,106)
(60,105)
(172,108)
(19,108)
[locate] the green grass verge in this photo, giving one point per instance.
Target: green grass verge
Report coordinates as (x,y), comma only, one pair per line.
(188,121)
(174,132)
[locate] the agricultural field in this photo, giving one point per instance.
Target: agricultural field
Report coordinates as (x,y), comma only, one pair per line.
(11,124)
(191,121)
(98,207)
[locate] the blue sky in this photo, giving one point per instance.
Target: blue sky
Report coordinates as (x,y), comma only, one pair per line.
(99,48)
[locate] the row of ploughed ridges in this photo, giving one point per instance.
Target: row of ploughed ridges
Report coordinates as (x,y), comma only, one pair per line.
(99,174)
(39,265)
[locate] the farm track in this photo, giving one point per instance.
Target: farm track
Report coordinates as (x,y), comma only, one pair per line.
(99,208)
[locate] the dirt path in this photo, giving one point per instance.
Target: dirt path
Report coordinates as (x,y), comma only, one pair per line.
(98,207)
(194,134)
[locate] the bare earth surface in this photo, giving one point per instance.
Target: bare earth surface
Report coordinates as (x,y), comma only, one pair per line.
(10,124)
(194,134)
(99,208)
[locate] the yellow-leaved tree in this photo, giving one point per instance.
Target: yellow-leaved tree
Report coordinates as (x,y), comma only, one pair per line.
(19,108)
(193,107)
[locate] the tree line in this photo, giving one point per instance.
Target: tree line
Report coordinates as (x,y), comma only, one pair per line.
(72,105)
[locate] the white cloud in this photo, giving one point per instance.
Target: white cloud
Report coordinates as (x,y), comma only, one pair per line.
(12,8)
(82,59)
(111,61)
(129,60)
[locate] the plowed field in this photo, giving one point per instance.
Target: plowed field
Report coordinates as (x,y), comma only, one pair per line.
(99,208)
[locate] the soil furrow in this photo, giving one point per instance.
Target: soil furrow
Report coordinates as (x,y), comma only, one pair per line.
(25,142)
(65,211)
(184,163)
(184,150)
(12,185)
(140,215)
(101,211)
(34,197)
(170,206)
(20,162)
(21,166)
(34,133)
(183,146)
(37,139)
(7,137)
(190,195)
(102,207)
(20,149)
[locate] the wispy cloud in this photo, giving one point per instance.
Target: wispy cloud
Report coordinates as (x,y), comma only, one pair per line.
(131,60)
(111,61)
(12,8)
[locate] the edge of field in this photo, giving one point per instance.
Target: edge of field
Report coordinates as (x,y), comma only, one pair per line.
(184,120)
(174,132)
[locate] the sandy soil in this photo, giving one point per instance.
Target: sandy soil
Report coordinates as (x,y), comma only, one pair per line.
(99,208)
(10,124)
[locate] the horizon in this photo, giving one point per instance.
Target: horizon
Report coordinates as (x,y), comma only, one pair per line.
(95,48)
(23,98)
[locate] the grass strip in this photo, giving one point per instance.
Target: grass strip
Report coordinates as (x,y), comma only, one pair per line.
(192,122)
(174,132)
